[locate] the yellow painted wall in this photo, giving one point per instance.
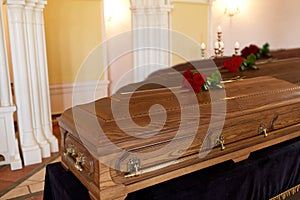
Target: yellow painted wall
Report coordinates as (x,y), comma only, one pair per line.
(190,19)
(73,29)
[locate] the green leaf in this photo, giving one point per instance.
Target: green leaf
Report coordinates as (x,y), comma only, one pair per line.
(251,59)
(216,76)
(205,87)
(266,46)
(254,67)
(242,67)
(265,51)
(209,79)
(259,54)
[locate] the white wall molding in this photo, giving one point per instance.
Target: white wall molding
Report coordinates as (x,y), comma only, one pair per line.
(8,143)
(62,94)
(151,22)
(32,54)
(21,73)
(9,148)
(42,79)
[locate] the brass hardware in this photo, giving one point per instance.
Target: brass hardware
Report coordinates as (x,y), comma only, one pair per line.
(221,142)
(273,122)
(136,162)
(262,130)
(134,166)
(79,160)
(70,151)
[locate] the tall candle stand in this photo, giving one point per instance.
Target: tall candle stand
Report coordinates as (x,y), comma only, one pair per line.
(219,45)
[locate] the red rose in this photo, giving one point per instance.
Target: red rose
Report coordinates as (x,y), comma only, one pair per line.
(199,79)
(196,88)
(188,74)
(253,49)
(245,52)
(193,81)
(233,64)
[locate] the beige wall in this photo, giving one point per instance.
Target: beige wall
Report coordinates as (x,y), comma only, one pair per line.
(73,29)
(191,20)
(259,21)
(118,26)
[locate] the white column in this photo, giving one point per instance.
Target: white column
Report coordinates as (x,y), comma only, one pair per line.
(33,77)
(43,81)
(15,15)
(151,26)
(8,143)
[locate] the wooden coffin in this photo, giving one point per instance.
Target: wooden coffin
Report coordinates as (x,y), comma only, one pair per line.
(147,133)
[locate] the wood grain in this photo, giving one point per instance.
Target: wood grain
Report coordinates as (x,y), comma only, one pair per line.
(269,96)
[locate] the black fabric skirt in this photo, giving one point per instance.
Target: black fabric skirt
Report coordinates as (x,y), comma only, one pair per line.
(265,174)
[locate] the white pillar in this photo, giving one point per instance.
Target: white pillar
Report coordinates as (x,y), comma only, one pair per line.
(8,143)
(33,77)
(43,81)
(15,16)
(151,26)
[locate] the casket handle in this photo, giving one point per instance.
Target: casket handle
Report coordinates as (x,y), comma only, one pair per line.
(70,151)
(262,130)
(273,122)
(79,160)
(221,142)
(134,166)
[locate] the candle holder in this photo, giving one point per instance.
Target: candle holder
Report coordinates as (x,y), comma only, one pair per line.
(203,54)
(219,46)
(203,48)
(236,48)
(236,51)
(216,51)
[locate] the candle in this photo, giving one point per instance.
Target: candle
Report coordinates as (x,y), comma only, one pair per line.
(222,44)
(236,45)
(216,45)
(203,46)
(219,29)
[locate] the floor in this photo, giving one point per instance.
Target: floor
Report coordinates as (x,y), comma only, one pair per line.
(25,188)
(27,183)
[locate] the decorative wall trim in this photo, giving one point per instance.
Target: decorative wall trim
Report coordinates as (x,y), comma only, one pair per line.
(151,22)
(192,1)
(61,95)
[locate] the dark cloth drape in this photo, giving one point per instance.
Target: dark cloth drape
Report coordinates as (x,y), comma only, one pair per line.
(265,174)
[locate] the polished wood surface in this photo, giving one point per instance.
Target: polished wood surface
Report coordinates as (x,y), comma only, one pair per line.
(269,96)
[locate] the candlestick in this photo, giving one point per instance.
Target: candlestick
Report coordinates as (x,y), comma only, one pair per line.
(219,29)
(203,45)
(236,48)
(237,45)
(219,45)
(203,50)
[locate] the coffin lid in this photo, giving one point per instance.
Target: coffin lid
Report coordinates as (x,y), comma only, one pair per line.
(242,97)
